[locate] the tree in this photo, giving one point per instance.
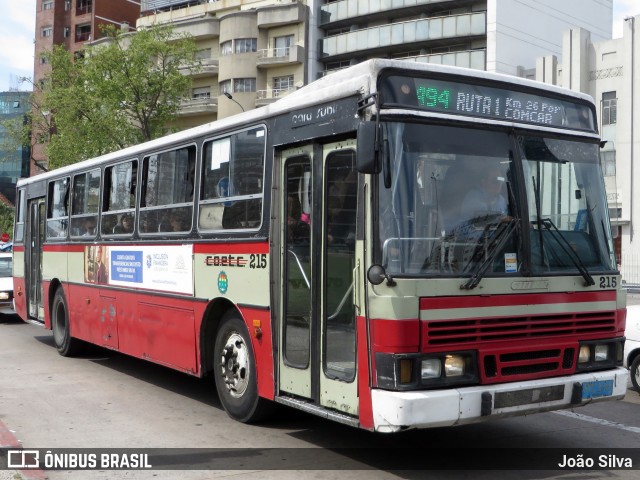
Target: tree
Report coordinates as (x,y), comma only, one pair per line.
(120,92)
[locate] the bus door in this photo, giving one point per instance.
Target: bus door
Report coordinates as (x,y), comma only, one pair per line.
(317,336)
(34,236)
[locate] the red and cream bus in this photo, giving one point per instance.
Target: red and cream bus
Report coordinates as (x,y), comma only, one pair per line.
(396,245)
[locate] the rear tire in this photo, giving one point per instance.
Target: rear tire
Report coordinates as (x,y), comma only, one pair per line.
(66,345)
(234,370)
(634,372)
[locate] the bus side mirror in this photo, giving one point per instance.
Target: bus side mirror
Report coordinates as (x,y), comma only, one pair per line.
(368,157)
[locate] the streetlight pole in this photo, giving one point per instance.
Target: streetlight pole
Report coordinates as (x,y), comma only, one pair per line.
(228,95)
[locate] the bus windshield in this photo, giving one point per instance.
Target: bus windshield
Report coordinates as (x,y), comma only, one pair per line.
(450,204)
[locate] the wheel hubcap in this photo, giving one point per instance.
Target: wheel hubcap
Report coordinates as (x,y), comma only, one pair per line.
(235,365)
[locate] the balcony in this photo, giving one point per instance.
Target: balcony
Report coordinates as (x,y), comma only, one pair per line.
(280,56)
(404,34)
(207,67)
(277,15)
(198,106)
(199,28)
(333,13)
(467,58)
(265,97)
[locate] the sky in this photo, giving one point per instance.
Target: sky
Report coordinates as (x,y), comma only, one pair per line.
(17,24)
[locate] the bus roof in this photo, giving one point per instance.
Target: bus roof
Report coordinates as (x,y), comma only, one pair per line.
(355,80)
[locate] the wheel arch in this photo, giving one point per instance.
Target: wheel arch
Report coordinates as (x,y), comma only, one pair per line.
(54,284)
(213,314)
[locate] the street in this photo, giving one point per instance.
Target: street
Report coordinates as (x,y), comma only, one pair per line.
(108,400)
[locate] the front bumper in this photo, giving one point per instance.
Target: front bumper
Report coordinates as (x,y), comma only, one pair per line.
(394,411)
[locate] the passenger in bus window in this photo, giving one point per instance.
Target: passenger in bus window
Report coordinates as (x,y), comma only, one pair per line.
(88,227)
(297,230)
(487,198)
(176,222)
(125,225)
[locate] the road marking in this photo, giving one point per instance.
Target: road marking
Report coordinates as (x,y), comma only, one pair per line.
(599,421)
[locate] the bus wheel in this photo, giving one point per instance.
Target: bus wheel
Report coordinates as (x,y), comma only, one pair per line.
(235,372)
(66,345)
(634,371)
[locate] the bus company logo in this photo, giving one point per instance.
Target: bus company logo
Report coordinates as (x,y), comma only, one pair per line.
(223,282)
(149,261)
(23,459)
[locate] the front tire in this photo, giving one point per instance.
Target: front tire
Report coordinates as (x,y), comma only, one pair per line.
(234,369)
(66,345)
(634,371)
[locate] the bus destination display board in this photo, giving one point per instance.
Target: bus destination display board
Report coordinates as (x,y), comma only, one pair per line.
(450,96)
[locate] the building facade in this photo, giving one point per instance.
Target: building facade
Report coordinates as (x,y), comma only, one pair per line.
(609,71)
(252,52)
(71,23)
(14,159)
(493,35)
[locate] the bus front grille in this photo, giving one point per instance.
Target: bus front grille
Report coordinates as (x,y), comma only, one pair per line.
(491,329)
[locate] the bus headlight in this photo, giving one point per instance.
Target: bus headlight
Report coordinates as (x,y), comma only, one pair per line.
(431,368)
(585,354)
(415,371)
(454,365)
(600,354)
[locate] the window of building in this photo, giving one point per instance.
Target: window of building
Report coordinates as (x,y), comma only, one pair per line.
(609,108)
(244,45)
(84,207)
(58,208)
(84,6)
(232,181)
(225,87)
(167,196)
(244,85)
(47,4)
(83,33)
(46,31)
(204,54)
(201,92)
(226,48)
(282,45)
(119,198)
(608,158)
(67,5)
(282,84)
(66,32)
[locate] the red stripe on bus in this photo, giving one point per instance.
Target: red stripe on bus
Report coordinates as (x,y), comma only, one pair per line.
(66,247)
(236,247)
(476,301)
(365,408)
(18,248)
(258,323)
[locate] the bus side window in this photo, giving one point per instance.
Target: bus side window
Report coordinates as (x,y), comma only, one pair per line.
(119,196)
(58,208)
(232,182)
(84,208)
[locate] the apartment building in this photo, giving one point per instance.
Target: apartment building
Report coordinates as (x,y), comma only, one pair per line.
(252,52)
(609,71)
(72,23)
(495,35)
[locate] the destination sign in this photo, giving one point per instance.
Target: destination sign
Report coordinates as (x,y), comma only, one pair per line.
(457,98)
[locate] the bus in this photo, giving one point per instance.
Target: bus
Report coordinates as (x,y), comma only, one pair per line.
(395,245)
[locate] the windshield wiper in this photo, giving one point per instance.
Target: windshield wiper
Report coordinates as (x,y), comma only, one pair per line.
(566,247)
(498,243)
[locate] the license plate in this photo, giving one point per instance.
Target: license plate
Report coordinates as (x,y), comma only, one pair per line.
(600,388)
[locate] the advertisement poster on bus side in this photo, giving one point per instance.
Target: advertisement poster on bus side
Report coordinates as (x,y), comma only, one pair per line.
(167,268)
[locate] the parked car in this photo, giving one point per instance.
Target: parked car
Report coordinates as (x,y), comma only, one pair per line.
(632,345)
(6,283)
